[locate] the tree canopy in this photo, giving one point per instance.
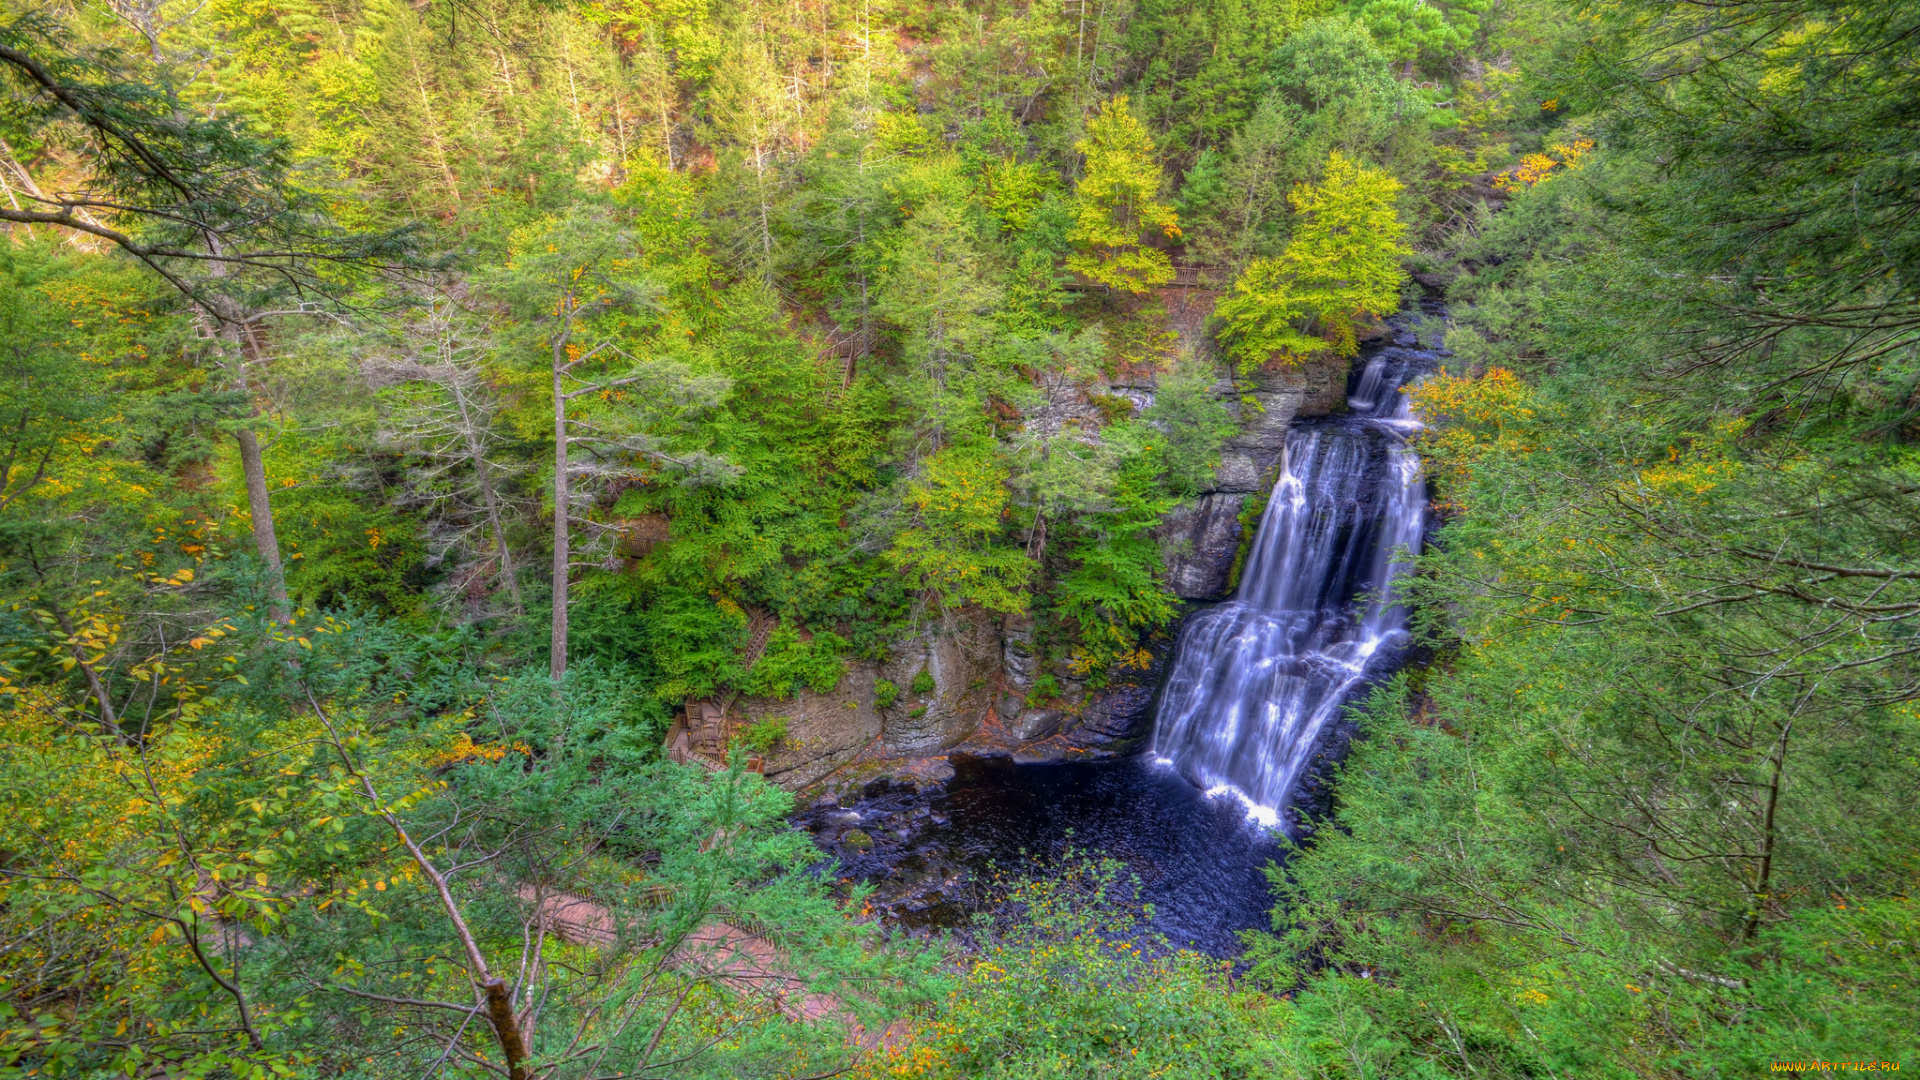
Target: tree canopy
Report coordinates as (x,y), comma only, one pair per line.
(408,410)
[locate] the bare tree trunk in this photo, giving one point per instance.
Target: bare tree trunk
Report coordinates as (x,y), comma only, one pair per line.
(1763,874)
(493,992)
(228,325)
(264,539)
(506,1026)
(766,211)
(435,142)
(562,510)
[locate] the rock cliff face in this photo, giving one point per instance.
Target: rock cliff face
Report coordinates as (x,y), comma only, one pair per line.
(828,732)
(963,661)
(984,670)
(1199,539)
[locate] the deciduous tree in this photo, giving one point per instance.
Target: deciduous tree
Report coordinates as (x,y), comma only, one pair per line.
(1118,205)
(1342,263)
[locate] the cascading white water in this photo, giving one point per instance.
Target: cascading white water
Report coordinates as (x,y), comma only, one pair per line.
(1256,679)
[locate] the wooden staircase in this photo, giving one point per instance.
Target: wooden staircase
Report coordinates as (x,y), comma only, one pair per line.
(699,736)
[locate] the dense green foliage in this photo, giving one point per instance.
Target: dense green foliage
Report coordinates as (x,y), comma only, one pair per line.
(361,363)
(1342,263)
(1651,812)
(1063,984)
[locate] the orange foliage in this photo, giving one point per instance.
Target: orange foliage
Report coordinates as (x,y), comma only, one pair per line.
(1469,420)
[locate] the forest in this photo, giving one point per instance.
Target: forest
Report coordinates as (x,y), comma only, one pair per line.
(412,415)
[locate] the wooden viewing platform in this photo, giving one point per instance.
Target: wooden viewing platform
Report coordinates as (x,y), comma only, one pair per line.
(699,736)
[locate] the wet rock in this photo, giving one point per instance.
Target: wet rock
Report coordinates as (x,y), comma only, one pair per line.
(1198,541)
(1323,382)
(824,731)
(1019,665)
(1034,724)
(1119,717)
(1241,470)
(1267,406)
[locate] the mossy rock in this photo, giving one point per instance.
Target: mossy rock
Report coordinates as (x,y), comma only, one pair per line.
(856,840)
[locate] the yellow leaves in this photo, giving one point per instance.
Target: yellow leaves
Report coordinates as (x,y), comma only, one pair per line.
(1342,262)
(1495,399)
(1532,169)
(1696,477)
(1117,201)
(1571,154)
(464,749)
(1704,464)
(1472,419)
(1536,168)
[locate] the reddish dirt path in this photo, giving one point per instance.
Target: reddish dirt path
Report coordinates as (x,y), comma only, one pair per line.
(745,961)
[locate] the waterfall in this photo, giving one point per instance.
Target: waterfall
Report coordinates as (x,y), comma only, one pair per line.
(1256,679)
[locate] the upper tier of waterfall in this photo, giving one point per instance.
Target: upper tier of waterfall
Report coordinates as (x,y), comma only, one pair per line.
(1256,679)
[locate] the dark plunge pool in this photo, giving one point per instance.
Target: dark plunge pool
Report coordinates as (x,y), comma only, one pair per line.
(1199,859)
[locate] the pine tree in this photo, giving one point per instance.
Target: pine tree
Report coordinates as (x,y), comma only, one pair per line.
(1343,262)
(1407,28)
(1118,202)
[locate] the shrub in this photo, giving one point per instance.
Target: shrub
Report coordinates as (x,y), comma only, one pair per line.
(791,662)
(763,734)
(1045,688)
(1065,984)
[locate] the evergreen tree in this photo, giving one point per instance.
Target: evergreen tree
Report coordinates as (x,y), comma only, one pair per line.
(938,293)
(1203,63)
(1239,199)
(1410,29)
(954,550)
(581,300)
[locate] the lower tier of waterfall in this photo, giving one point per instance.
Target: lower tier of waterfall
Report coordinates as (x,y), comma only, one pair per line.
(1256,679)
